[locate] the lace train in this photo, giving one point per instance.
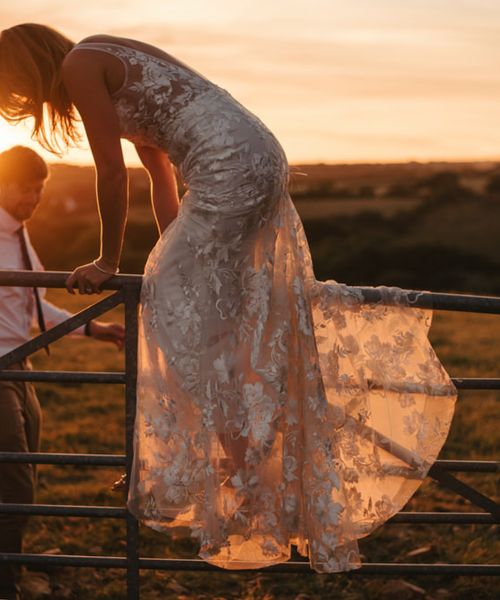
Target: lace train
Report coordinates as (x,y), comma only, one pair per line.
(286,412)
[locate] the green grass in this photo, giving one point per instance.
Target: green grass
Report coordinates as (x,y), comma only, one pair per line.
(90,418)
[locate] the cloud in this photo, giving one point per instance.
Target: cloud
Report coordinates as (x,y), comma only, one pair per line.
(422,71)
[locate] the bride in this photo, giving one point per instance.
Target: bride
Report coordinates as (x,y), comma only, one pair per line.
(272,408)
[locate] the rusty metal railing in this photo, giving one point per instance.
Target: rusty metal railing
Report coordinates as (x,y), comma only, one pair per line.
(126,290)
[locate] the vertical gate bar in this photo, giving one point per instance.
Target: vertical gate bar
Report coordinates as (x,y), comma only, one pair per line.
(131,294)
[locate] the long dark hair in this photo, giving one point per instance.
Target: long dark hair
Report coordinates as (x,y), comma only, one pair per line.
(31,56)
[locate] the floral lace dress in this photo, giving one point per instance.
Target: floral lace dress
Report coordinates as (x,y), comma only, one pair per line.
(272,408)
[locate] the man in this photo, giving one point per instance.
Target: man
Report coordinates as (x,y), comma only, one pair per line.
(22,177)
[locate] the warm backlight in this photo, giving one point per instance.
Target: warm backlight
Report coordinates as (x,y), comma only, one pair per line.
(10,135)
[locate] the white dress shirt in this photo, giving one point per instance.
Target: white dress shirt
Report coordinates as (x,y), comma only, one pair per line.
(17,304)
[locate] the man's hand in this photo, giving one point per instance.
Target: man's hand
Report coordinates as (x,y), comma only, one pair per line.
(108,332)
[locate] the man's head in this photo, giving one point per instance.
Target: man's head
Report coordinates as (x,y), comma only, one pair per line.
(22,177)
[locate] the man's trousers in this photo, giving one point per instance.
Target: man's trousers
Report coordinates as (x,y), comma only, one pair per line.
(20,426)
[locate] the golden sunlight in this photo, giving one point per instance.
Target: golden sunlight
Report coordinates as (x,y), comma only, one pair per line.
(335,81)
(10,135)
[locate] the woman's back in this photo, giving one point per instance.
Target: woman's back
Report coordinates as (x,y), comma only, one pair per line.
(214,140)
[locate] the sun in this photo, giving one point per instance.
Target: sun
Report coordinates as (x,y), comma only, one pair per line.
(19,135)
(11,135)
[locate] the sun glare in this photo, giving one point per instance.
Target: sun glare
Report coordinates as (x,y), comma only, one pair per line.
(11,135)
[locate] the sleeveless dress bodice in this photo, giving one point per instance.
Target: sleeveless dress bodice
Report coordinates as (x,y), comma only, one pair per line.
(272,408)
(217,144)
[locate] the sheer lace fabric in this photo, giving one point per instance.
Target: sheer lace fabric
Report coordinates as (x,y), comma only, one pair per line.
(272,408)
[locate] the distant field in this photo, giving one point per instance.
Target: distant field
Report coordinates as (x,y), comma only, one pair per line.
(318,208)
(321,208)
(89,418)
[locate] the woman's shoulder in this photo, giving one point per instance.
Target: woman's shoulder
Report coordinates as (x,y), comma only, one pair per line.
(102,37)
(80,62)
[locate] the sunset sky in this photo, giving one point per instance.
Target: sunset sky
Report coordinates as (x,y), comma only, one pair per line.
(336,81)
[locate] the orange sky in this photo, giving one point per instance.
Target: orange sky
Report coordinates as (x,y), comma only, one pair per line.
(366,81)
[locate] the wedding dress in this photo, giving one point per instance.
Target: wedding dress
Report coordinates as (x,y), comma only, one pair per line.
(272,408)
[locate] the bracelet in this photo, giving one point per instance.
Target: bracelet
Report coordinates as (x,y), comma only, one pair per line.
(86,329)
(94,262)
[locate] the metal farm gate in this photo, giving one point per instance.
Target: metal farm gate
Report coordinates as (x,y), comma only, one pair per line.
(126,291)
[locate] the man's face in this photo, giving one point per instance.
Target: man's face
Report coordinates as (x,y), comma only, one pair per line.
(21,199)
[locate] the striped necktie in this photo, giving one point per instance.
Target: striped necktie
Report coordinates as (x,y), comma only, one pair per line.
(28,265)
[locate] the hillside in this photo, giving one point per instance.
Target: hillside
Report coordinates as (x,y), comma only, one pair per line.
(419,225)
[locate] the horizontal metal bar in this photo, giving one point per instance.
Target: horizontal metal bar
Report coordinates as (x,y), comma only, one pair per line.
(65,560)
(53,510)
(114,460)
(476,383)
(56,510)
(46,458)
(417,298)
(438,300)
(57,279)
(470,466)
(63,376)
(58,331)
(166,564)
(457,518)
(295,566)
(463,383)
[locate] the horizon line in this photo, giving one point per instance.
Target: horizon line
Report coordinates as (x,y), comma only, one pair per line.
(335,163)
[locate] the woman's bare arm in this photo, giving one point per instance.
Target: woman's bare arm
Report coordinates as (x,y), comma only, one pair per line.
(164,194)
(84,77)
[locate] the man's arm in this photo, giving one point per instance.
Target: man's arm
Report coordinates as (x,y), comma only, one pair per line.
(99,330)
(54,315)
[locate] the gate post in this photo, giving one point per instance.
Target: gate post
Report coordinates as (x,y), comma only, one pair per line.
(132,296)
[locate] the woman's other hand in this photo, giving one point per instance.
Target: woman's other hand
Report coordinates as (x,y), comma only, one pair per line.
(88,278)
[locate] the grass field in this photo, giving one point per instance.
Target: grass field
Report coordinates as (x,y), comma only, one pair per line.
(322,208)
(90,418)
(311,209)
